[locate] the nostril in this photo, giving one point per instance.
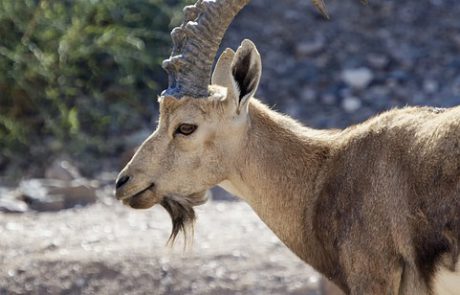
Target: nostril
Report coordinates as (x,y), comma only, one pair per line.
(122,181)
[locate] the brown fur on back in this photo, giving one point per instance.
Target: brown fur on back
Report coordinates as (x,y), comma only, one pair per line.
(392,196)
(379,202)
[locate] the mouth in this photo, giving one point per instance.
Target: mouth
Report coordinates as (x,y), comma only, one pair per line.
(144,199)
(148,197)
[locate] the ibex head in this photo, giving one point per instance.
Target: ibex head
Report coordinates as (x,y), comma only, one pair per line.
(201,126)
(195,139)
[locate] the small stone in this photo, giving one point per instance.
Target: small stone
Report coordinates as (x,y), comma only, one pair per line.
(308,48)
(80,282)
(456,39)
(351,104)
(12,206)
(328,99)
(378,61)
(308,95)
(399,75)
(10,201)
(430,86)
(376,93)
(357,78)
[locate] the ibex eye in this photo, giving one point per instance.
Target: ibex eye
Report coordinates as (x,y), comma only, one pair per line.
(186,129)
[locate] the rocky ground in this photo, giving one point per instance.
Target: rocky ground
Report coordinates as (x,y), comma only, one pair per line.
(69,235)
(108,249)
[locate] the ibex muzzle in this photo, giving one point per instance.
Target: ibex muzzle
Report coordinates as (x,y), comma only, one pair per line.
(374,207)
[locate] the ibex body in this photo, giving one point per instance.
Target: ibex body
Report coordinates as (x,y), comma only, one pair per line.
(374,207)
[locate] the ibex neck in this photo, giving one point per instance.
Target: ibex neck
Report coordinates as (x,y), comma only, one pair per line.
(277,172)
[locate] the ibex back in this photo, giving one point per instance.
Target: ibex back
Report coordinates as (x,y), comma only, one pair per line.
(374,207)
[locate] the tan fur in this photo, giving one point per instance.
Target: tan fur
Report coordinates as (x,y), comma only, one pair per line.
(374,207)
(447,282)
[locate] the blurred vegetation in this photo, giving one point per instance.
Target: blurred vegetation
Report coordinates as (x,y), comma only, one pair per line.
(75,73)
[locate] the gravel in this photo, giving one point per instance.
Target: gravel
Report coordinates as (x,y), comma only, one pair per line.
(110,249)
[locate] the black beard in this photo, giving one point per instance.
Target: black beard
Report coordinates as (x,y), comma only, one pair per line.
(182,217)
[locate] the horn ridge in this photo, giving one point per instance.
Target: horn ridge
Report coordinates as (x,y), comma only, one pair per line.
(195,44)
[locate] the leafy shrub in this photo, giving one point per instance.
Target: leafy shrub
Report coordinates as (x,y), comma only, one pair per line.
(75,73)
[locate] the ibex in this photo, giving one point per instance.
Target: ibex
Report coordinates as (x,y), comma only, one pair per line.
(374,207)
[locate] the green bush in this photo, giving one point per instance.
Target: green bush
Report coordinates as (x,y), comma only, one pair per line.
(75,73)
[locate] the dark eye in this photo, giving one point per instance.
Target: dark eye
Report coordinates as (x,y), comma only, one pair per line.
(186,129)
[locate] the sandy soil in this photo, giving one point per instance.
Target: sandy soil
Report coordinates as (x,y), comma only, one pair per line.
(110,249)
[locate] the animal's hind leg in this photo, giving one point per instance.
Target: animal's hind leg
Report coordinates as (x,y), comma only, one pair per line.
(370,273)
(411,282)
(372,286)
(371,283)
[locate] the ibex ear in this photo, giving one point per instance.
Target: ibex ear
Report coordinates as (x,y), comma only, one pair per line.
(222,71)
(246,71)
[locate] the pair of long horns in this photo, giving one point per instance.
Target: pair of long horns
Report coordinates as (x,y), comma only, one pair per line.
(196,41)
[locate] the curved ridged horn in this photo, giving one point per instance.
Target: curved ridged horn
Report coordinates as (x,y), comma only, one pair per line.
(195,44)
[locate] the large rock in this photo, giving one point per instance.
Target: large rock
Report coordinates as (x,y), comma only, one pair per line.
(54,194)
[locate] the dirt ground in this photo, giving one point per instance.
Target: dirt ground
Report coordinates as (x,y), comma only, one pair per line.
(109,249)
